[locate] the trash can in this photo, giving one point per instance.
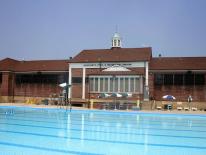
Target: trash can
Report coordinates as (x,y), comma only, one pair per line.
(45,101)
(167,106)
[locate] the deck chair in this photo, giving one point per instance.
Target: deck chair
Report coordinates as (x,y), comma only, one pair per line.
(194,108)
(159,107)
(186,108)
(179,108)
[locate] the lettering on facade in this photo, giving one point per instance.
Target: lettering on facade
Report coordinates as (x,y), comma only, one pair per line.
(105,65)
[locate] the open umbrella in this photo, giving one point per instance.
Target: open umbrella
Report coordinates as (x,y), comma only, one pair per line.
(126,95)
(103,95)
(63,84)
(116,95)
(168,105)
(169,97)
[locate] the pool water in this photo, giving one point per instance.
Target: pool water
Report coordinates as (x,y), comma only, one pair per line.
(30,131)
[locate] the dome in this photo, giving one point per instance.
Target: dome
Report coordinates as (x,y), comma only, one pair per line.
(116,35)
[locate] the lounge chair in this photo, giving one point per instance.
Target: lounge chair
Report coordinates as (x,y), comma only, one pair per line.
(179,108)
(159,107)
(186,108)
(194,109)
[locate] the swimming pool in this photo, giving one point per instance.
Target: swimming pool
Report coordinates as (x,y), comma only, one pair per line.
(30,131)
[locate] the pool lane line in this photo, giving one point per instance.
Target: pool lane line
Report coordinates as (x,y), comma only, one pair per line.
(153,123)
(97,117)
(135,125)
(102,112)
(169,119)
(46,149)
(113,126)
(128,143)
(148,128)
(110,132)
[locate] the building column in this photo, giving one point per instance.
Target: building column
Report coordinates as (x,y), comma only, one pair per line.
(83,83)
(141,84)
(70,83)
(146,87)
(147,74)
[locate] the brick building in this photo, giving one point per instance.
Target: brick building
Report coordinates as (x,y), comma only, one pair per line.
(22,79)
(114,70)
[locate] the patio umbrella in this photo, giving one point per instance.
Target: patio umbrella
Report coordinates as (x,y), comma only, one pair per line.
(63,84)
(116,95)
(168,105)
(169,97)
(126,95)
(103,95)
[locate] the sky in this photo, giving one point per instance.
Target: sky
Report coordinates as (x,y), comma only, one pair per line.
(59,29)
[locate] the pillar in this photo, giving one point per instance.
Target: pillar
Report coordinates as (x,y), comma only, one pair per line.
(146,87)
(70,83)
(83,83)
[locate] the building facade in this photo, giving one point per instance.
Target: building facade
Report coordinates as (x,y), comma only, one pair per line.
(114,70)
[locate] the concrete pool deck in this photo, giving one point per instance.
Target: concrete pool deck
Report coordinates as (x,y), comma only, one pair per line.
(198,112)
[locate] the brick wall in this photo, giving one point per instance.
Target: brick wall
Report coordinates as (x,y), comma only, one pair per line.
(36,90)
(7,84)
(151,85)
(181,92)
(77,72)
(76,90)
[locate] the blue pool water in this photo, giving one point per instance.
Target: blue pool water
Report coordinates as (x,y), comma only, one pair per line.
(29,131)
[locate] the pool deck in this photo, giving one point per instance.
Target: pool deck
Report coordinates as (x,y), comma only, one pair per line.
(82,108)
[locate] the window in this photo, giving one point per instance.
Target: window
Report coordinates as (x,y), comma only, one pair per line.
(101,85)
(132,84)
(96,83)
(199,79)
(0,78)
(126,86)
(189,79)
(121,84)
(178,79)
(77,80)
(106,84)
(91,84)
(168,79)
(41,78)
(114,84)
(115,43)
(137,85)
(159,79)
(111,85)
(118,42)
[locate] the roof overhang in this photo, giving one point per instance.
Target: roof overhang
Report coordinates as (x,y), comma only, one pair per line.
(176,71)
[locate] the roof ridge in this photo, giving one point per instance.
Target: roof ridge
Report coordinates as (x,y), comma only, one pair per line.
(116,48)
(178,57)
(7,58)
(45,60)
